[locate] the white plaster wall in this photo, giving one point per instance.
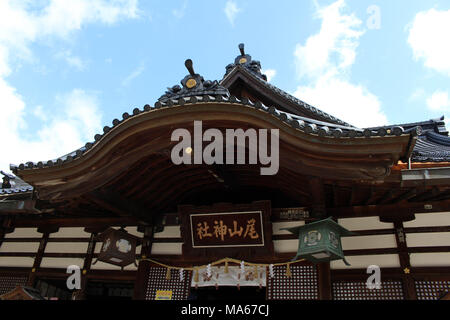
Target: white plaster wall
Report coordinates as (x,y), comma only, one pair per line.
(362,262)
(369,242)
(66,247)
(70,233)
(19,247)
(169,232)
(432,219)
(24,233)
(167,248)
(16,262)
(438,259)
(364,223)
(428,239)
(276,226)
(61,262)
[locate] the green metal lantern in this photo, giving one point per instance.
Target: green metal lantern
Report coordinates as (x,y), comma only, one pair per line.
(320,241)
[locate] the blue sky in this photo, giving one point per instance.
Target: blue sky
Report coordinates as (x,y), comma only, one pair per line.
(68,68)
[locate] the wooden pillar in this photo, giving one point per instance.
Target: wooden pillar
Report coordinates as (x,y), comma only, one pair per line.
(6,226)
(324,274)
(408,281)
(141,281)
(46,231)
(81,294)
(319,212)
(318,198)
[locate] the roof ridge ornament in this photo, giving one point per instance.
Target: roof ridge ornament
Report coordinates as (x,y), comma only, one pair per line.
(245,60)
(194,85)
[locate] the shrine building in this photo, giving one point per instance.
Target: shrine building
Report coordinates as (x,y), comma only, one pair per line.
(233,189)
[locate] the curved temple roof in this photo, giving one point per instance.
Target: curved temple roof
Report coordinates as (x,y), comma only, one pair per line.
(433,143)
(196,91)
(308,126)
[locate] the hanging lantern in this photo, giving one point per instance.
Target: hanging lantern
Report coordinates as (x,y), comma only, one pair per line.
(118,248)
(320,241)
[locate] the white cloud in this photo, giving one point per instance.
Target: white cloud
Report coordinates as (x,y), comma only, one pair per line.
(77,122)
(231,11)
(333,49)
(39,113)
(324,63)
(270,73)
(349,102)
(19,25)
(417,94)
(134,74)
(79,116)
(73,61)
(439,101)
(180,12)
(428,39)
(61,17)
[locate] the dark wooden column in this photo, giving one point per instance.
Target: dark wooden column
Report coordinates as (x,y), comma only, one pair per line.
(140,284)
(319,212)
(46,231)
(318,198)
(6,226)
(323,270)
(407,279)
(81,294)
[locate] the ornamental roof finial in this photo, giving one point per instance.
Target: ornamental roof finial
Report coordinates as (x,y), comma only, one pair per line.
(193,84)
(241,48)
(189,67)
(245,60)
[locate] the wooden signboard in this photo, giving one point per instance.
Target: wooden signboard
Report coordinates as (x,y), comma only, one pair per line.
(163,295)
(227,230)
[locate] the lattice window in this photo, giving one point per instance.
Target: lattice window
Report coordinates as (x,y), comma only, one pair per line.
(357,290)
(157,281)
(302,285)
(9,282)
(431,290)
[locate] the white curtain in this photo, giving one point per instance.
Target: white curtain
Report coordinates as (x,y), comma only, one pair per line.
(232,278)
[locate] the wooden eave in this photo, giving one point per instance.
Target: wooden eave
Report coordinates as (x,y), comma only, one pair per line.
(148,134)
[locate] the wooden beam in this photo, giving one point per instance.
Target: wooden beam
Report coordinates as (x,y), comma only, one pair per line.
(318,198)
(115,202)
(405,263)
(38,259)
(324,275)
(405,196)
(352,196)
(74,222)
(386,197)
(81,295)
(335,195)
(141,281)
(424,196)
